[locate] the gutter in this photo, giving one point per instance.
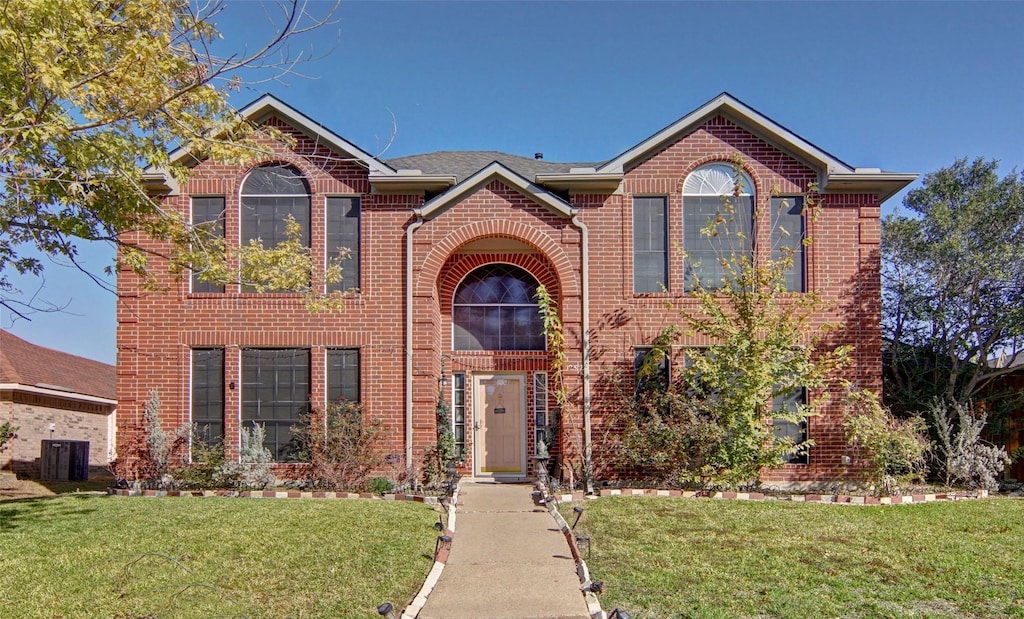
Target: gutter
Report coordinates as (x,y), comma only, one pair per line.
(408,334)
(585,292)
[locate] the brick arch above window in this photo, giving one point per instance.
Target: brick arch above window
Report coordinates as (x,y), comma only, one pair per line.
(458,266)
(551,252)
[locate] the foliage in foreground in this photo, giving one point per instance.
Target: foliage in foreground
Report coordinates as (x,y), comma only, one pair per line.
(98,556)
(961,456)
(95,92)
(891,451)
(342,447)
(708,422)
(706,558)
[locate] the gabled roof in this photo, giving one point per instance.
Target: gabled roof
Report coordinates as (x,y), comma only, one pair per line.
(496,171)
(834,174)
(268,105)
(29,365)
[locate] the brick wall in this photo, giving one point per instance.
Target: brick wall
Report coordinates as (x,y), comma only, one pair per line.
(495,223)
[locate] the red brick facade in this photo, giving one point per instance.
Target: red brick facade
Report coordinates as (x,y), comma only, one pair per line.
(582,252)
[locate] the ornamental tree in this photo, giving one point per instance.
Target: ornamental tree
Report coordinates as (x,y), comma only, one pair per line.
(94,93)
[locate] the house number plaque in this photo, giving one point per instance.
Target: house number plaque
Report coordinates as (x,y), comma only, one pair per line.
(499,410)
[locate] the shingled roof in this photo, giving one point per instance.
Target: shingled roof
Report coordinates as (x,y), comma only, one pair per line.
(27,364)
(465,163)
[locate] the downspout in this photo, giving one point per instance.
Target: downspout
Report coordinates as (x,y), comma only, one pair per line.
(408,335)
(588,465)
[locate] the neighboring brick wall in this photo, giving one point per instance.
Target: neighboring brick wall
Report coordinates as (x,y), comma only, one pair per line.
(157,330)
(72,420)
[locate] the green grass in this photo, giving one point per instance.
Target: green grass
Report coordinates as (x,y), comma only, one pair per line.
(707,558)
(98,556)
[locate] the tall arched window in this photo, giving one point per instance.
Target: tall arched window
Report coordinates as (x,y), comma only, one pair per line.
(269,195)
(495,309)
(711,195)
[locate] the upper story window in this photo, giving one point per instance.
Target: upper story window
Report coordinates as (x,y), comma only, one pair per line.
(711,197)
(343,240)
(650,244)
(495,309)
(788,233)
(208,221)
(269,195)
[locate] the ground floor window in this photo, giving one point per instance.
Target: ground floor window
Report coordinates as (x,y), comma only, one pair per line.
(275,394)
(208,394)
(796,432)
(343,374)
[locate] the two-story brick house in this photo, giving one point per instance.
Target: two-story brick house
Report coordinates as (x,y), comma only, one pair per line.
(447,249)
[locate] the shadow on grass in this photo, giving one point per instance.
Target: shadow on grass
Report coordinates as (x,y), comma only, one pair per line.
(15,513)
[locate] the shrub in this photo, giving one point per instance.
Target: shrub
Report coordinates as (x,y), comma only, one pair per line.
(961,455)
(381,485)
(892,451)
(343,449)
(7,433)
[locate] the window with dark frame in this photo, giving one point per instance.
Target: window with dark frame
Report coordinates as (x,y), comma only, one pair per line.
(650,244)
(208,394)
(495,309)
(459,414)
(343,374)
(649,372)
(275,394)
(708,195)
(208,222)
(788,232)
(343,217)
(270,195)
(783,429)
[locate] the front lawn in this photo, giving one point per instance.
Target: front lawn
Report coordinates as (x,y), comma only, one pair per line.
(708,558)
(98,556)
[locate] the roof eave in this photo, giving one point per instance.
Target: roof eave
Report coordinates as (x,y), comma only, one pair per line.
(582,183)
(410,183)
(58,393)
(885,184)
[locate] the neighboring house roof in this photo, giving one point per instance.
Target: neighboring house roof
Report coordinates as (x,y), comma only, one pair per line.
(464,163)
(27,364)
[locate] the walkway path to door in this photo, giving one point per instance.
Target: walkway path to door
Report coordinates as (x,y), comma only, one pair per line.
(508,559)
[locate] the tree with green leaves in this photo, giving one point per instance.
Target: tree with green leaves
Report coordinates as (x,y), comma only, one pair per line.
(97,92)
(709,422)
(953,286)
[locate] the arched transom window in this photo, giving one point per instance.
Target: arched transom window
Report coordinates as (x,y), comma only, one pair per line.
(711,194)
(495,308)
(270,195)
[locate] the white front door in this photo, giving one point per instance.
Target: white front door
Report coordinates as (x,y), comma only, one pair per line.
(500,411)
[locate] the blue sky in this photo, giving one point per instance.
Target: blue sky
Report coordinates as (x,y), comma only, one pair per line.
(904,86)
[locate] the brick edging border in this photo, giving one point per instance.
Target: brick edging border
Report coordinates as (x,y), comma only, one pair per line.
(271,494)
(794,498)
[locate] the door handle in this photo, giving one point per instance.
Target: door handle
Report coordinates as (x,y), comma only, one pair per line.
(476,425)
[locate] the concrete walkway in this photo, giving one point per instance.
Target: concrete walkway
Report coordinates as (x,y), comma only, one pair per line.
(508,559)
